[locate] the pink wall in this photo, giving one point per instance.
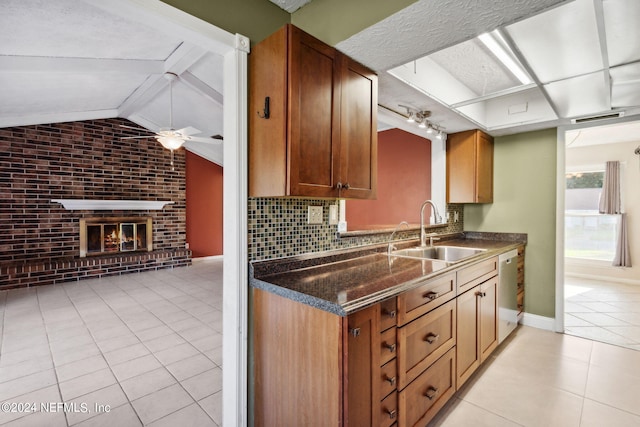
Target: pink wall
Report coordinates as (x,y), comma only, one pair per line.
(404,182)
(204,206)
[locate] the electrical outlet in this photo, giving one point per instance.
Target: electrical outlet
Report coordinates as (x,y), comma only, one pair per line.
(314,215)
(333,214)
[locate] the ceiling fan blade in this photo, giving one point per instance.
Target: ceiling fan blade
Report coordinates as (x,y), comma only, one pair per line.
(136,128)
(189,130)
(204,139)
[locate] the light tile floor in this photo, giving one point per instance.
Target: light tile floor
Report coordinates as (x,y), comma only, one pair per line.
(541,378)
(603,311)
(147,346)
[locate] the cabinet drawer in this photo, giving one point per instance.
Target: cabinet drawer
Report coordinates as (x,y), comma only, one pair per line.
(388,313)
(416,302)
(423,398)
(476,274)
(388,378)
(389,410)
(388,345)
(423,341)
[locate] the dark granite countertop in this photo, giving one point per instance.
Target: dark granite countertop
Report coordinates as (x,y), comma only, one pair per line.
(342,282)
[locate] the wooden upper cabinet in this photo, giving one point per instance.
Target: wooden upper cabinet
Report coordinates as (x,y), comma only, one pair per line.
(320,139)
(470,167)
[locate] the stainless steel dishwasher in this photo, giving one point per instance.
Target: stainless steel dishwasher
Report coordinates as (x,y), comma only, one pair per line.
(507,293)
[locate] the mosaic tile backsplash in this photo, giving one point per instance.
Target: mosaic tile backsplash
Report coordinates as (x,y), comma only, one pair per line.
(277,227)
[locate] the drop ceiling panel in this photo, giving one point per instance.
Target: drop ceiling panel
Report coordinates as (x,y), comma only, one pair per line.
(625,85)
(524,107)
(35,93)
(621,19)
(429,77)
(579,96)
(476,67)
(560,43)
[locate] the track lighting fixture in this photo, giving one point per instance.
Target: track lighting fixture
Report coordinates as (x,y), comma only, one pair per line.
(420,117)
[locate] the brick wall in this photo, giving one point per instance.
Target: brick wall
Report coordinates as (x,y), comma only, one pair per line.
(82,160)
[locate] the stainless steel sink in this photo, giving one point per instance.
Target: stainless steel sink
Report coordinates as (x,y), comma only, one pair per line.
(443,253)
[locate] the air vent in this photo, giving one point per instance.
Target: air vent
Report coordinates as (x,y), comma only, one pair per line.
(598,118)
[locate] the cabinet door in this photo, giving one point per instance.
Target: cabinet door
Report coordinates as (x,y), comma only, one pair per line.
(484,168)
(363,368)
(461,167)
(468,354)
(488,324)
(469,167)
(358,133)
(314,124)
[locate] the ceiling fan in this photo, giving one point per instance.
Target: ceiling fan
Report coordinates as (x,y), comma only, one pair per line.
(171,138)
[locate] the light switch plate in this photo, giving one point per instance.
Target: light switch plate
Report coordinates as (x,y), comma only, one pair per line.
(333,214)
(314,215)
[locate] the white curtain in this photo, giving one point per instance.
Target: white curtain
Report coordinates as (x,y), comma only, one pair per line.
(610,204)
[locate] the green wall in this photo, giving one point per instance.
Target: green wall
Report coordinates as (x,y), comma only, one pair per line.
(333,21)
(524,194)
(255,19)
(329,20)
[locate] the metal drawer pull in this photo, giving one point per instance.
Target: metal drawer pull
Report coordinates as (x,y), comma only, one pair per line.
(392,413)
(431,295)
(391,347)
(481,294)
(391,380)
(431,393)
(355,332)
(391,313)
(431,338)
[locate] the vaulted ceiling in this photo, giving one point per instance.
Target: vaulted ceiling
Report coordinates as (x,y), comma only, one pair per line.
(68,60)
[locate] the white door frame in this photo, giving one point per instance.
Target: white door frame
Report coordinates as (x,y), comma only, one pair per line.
(234,48)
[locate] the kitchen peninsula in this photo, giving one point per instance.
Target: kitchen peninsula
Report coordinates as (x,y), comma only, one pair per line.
(362,337)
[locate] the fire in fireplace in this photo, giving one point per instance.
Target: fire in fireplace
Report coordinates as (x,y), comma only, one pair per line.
(99,236)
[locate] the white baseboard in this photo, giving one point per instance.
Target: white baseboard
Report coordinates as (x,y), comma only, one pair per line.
(540,322)
(207,258)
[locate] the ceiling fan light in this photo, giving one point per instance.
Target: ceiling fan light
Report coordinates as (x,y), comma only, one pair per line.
(439,135)
(170,142)
(429,129)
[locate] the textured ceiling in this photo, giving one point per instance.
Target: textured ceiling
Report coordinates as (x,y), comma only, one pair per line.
(290,5)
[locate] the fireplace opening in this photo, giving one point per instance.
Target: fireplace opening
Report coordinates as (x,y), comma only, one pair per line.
(99,236)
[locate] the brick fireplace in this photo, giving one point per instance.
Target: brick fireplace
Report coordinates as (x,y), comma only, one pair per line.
(40,239)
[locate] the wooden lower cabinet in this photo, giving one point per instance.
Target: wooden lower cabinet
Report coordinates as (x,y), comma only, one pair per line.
(394,363)
(297,363)
(477,327)
(362,352)
(423,398)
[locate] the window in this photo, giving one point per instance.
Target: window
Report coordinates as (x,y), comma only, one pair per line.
(588,234)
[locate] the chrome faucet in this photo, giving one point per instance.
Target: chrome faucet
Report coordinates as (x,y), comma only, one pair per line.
(436,215)
(391,247)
